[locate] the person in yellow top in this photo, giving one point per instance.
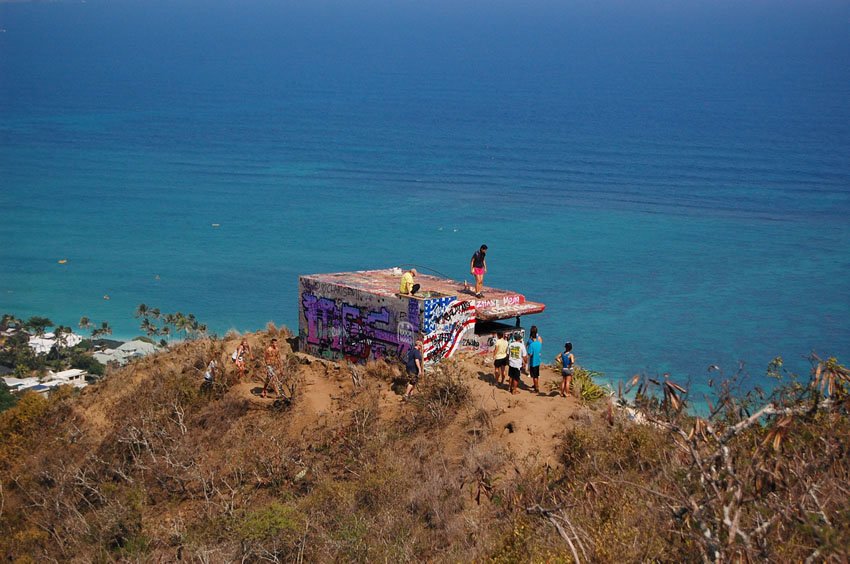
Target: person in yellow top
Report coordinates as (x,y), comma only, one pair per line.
(500,357)
(407,287)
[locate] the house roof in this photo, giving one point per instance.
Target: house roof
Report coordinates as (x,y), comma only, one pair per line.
(43,344)
(137,347)
(125,351)
(19,383)
(496,303)
(70,373)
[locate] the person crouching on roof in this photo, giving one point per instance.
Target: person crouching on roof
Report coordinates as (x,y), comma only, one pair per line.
(407,287)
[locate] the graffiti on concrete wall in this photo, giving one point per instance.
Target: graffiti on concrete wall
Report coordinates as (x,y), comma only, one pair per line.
(435,309)
(484,343)
(445,323)
(336,323)
(508,300)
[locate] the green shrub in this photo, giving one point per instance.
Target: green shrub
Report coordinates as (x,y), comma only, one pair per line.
(575,446)
(585,388)
(7,400)
(271,521)
(18,423)
(88,363)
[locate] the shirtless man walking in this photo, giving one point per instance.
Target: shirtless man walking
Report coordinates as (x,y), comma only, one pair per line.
(271,357)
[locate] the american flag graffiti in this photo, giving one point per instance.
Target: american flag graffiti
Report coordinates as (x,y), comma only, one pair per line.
(446,321)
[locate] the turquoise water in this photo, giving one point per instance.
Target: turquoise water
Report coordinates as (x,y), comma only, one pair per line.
(676,193)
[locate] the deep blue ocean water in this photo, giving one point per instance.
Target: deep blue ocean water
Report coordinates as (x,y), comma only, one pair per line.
(671,179)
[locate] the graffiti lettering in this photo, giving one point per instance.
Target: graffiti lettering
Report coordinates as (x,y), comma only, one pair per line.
(337,329)
(448,320)
(406,333)
(484,343)
(499,302)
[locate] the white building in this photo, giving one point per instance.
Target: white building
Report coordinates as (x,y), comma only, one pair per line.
(73,377)
(43,344)
(20,384)
(125,352)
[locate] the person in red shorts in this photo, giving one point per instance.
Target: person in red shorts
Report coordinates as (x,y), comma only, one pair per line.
(478,268)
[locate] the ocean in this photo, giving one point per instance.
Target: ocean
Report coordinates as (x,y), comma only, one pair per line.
(671,179)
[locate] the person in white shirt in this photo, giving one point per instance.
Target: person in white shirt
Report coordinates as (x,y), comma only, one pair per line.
(517,356)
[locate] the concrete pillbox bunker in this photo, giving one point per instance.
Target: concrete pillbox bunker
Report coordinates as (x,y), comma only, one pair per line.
(360,316)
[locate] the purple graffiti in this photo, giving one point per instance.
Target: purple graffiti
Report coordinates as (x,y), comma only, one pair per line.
(343,330)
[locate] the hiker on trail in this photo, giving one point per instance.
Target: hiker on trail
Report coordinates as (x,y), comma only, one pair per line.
(516,360)
(209,375)
(500,357)
(478,268)
(407,287)
(415,368)
(271,357)
(567,362)
(240,355)
(534,346)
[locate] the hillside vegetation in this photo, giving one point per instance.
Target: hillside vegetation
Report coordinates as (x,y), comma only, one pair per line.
(148,466)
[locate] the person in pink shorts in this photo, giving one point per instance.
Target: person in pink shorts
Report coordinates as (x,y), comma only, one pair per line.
(478,268)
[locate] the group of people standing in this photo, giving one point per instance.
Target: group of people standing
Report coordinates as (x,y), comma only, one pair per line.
(512,358)
(240,358)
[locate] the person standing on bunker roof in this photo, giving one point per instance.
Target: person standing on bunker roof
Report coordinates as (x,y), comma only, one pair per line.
(478,268)
(407,287)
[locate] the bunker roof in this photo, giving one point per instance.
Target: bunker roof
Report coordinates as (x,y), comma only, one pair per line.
(496,304)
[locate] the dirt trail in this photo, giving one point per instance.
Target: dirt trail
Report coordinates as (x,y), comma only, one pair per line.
(527,424)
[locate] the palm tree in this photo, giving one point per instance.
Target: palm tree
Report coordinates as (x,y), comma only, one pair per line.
(181,323)
(154,313)
(104,329)
(165,331)
(142,310)
(61,334)
(149,327)
(8,321)
(192,325)
(85,323)
(169,319)
(38,324)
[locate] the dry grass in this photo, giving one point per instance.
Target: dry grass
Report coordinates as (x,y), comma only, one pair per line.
(144,467)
